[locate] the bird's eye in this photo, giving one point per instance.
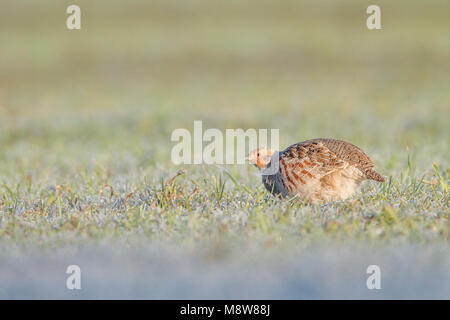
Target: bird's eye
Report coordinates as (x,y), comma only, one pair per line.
(257,154)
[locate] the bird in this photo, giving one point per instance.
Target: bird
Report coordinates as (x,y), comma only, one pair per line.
(315,171)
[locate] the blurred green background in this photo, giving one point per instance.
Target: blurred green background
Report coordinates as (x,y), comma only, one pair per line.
(83,108)
(139,69)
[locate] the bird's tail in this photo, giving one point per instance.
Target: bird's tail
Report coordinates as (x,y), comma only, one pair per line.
(373,175)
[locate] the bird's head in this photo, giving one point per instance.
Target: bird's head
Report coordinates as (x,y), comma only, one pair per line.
(260,157)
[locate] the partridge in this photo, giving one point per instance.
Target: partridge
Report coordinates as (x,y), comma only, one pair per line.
(318,170)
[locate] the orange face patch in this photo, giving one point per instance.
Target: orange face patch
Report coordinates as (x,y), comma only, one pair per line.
(259,163)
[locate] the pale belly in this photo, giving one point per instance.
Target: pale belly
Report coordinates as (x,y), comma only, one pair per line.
(335,186)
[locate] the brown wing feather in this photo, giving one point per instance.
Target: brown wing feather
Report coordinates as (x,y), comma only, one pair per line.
(351,154)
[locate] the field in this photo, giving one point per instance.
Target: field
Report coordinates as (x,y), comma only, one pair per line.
(86,176)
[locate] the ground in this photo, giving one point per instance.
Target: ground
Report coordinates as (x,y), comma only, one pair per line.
(86,175)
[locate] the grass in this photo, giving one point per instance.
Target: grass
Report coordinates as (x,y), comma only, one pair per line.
(405,209)
(86,118)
